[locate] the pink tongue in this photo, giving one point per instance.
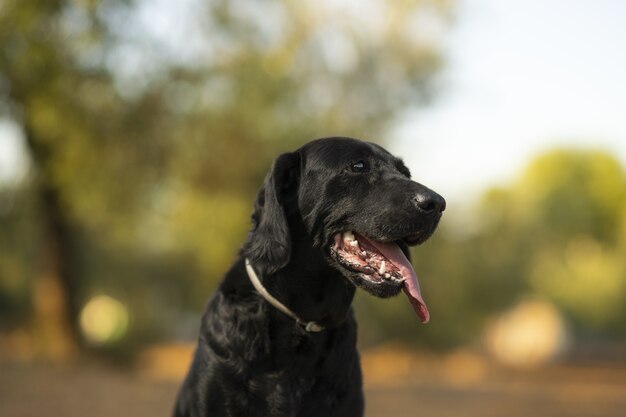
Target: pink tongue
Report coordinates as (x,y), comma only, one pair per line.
(411,287)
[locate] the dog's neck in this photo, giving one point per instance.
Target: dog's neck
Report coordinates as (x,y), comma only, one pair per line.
(310,326)
(311,288)
(308,286)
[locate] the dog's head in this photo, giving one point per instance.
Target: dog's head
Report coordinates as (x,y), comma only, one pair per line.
(353,201)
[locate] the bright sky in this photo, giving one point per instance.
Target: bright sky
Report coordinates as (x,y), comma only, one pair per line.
(13,161)
(523,76)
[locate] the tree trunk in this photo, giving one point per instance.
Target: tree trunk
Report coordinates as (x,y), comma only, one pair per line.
(54,296)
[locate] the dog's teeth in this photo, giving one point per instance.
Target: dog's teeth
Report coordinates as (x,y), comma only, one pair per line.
(348,236)
(364,253)
(387,276)
(354,243)
(383,268)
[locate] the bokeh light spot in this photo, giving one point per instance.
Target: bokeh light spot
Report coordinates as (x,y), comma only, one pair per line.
(103,320)
(529,334)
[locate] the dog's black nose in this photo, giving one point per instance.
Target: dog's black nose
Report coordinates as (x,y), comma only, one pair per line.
(429,201)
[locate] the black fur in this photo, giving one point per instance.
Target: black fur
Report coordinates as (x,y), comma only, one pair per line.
(253,360)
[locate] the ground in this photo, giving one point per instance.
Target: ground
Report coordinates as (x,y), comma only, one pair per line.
(398,383)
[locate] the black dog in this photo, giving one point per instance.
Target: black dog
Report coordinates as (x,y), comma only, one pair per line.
(279,337)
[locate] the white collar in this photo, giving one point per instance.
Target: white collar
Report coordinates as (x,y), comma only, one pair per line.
(310,326)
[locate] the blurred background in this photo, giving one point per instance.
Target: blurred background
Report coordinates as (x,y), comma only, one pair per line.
(135,133)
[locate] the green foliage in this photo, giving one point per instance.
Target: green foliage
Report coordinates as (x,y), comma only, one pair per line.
(155,154)
(578,258)
(571,193)
(155,147)
(557,233)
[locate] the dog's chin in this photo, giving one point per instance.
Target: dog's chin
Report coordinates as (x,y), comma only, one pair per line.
(366,282)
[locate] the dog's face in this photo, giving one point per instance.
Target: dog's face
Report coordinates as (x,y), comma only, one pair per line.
(357,204)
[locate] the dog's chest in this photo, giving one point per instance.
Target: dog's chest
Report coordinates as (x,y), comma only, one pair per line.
(307,373)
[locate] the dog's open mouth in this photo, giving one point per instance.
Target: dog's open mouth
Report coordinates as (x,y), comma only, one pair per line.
(381,263)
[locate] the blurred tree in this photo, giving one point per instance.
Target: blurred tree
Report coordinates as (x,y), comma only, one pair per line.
(274,75)
(148,141)
(577,202)
(77,129)
(557,233)
(564,217)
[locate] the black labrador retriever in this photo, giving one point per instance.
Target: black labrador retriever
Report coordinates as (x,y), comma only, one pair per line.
(279,337)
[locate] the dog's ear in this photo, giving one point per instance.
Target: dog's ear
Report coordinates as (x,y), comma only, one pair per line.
(269,243)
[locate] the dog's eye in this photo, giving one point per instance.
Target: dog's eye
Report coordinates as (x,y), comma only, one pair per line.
(360,166)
